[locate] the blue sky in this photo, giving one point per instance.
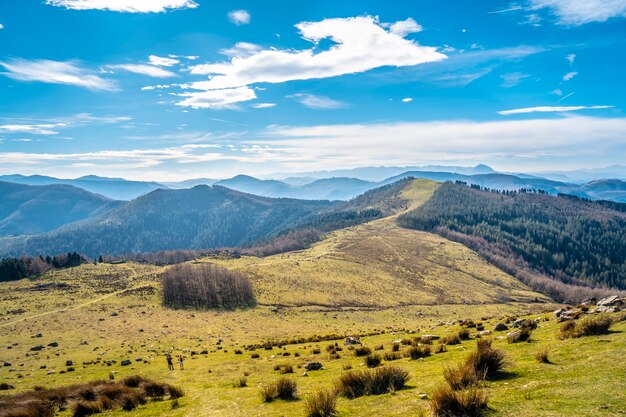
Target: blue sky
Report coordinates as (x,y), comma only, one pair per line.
(175,89)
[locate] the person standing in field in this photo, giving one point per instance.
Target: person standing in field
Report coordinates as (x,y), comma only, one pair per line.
(170,364)
(181,360)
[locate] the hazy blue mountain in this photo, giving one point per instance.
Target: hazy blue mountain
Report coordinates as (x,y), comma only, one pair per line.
(189,183)
(325,189)
(196,218)
(32,209)
(587,175)
(115,188)
(377,174)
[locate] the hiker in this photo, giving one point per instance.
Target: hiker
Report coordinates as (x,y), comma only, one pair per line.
(181,360)
(170,364)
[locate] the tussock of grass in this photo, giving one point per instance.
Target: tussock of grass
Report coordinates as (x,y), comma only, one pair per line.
(417,352)
(283,388)
(372,360)
(377,381)
(321,404)
(486,360)
(462,377)
(446,402)
(542,356)
(589,326)
(86,399)
(362,351)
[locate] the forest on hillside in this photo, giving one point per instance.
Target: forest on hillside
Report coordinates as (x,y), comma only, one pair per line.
(574,240)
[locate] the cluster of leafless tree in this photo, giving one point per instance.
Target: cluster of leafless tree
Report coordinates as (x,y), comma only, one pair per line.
(206,286)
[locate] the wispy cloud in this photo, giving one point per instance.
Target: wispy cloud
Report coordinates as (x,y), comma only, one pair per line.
(551,109)
(55,72)
(263,105)
(128,6)
(1,26)
(35,129)
(361,44)
(225,98)
(143,69)
(242,50)
(570,75)
(316,102)
(407,99)
(570,58)
(512,79)
(580,12)
(239,17)
(162,61)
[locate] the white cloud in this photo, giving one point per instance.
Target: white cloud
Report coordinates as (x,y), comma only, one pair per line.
(129,6)
(361,44)
(512,79)
(347,146)
(241,50)
(404,27)
(407,100)
(570,75)
(143,69)
(551,109)
(35,129)
(1,26)
(580,12)
(571,58)
(226,98)
(54,72)
(239,17)
(317,102)
(162,62)
(263,105)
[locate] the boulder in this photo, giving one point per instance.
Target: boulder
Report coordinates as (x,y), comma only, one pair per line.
(351,341)
(313,366)
(125,362)
(7,364)
(557,313)
(500,327)
(37,348)
(53,344)
(69,363)
(612,301)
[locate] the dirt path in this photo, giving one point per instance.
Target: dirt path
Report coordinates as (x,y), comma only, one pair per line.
(134,275)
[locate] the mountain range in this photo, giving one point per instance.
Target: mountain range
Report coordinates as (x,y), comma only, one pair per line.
(342,184)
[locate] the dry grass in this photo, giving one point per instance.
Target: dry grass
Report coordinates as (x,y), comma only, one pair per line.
(377,381)
(589,326)
(321,404)
(462,377)
(486,360)
(418,352)
(446,402)
(542,356)
(283,388)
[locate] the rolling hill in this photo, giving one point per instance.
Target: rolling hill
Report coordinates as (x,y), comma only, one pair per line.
(27,209)
(567,238)
(197,218)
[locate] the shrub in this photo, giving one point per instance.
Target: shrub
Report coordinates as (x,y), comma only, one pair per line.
(316,351)
(377,381)
(379,347)
(445,402)
(153,389)
(417,352)
(395,347)
(372,360)
(589,326)
(238,352)
(286,369)
(268,393)
(440,349)
(132,381)
(485,359)
(542,355)
(321,404)
(462,377)
(255,355)
(362,351)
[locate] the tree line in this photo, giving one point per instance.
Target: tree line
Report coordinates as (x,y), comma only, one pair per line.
(17,268)
(204,287)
